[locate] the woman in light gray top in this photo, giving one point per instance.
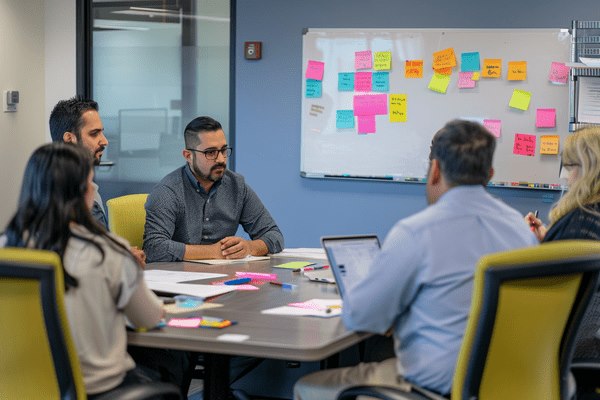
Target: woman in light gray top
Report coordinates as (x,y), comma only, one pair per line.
(104,284)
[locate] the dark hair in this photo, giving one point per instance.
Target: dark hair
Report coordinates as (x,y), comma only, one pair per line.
(196,126)
(67,117)
(465,151)
(52,197)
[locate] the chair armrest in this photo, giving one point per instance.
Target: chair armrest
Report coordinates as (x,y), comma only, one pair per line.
(378,392)
(141,391)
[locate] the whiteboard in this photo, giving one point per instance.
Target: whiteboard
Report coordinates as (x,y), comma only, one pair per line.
(399,151)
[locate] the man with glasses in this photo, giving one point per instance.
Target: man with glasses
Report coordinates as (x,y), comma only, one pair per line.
(195,211)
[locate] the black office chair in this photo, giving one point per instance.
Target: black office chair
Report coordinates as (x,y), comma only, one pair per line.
(526,309)
(38,358)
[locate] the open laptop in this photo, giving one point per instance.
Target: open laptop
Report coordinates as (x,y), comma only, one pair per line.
(350,257)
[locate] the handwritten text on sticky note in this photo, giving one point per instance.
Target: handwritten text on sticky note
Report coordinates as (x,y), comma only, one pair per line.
(517,70)
(366,124)
(344,119)
(381,81)
(315,70)
(363,81)
(383,60)
(346,81)
(494,126)
(363,59)
(413,69)
(524,144)
(559,73)
(398,108)
(314,88)
(370,104)
(492,68)
(549,144)
(444,59)
(439,83)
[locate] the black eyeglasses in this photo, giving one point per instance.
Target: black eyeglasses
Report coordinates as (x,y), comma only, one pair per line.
(213,154)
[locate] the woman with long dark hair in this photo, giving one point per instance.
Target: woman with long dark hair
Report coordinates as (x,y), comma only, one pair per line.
(104,284)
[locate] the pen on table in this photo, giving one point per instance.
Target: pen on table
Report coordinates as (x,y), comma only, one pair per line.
(284,285)
(238,281)
(315,268)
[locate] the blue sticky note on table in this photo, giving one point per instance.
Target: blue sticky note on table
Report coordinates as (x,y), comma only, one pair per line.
(346,81)
(344,119)
(381,81)
(469,62)
(313,88)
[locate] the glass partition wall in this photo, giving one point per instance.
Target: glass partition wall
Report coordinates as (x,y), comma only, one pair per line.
(153,66)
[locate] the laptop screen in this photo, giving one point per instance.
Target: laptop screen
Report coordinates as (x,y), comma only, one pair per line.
(350,257)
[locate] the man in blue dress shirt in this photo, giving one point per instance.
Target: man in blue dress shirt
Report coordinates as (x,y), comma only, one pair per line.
(424,273)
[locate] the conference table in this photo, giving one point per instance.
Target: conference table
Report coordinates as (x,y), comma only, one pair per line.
(281,337)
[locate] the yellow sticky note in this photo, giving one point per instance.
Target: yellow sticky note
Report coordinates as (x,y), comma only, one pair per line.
(492,68)
(383,60)
(520,99)
(439,83)
(398,108)
(476,76)
(444,58)
(413,69)
(549,144)
(517,70)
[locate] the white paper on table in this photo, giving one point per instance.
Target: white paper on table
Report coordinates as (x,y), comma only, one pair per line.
(319,311)
(161,275)
(303,252)
(202,291)
(233,261)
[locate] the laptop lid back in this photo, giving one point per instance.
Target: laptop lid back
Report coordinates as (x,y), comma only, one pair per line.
(350,257)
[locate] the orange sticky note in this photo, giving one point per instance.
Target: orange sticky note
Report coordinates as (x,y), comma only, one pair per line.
(444,59)
(443,71)
(413,69)
(549,144)
(492,68)
(517,70)
(398,108)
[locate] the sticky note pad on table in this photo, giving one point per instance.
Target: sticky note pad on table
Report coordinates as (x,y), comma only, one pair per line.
(294,265)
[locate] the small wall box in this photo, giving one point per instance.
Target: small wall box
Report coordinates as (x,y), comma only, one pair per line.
(252,50)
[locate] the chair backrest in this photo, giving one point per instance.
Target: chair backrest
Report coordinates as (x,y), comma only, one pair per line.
(127,217)
(37,357)
(526,308)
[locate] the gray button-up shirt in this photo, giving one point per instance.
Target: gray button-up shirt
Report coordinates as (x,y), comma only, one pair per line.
(180,212)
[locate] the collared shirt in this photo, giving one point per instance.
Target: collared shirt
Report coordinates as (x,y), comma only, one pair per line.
(180,212)
(98,208)
(421,282)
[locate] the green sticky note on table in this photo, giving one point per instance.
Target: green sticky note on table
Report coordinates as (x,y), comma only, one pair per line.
(520,99)
(294,264)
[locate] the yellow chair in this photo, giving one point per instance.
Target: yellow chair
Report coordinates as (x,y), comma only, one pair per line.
(38,358)
(127,217)
(526,308)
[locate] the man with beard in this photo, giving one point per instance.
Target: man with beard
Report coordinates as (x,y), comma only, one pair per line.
(195,211)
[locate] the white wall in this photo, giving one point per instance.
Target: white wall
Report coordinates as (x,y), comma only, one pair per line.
(37,58)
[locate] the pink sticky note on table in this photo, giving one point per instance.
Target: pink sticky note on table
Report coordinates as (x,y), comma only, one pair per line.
(524,144)
(494,126)
(363,81)
(559,73)
(363,59)
(184,322)
(465,80)
(366,124)
(545,118)
(370,104)
(315,70)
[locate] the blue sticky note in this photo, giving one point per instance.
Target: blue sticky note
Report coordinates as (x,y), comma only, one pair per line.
(469,62)
(313,88)
(381,81)
(344,119)
(346,81)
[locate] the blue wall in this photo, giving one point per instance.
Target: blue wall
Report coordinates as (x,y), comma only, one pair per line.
(268,96)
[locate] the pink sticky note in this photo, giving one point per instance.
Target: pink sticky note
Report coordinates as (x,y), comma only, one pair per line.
(465,80)
(366,124)
(363,81)
(184,322)
(545,118)
(524,144)
(494,126)
(315,70)
(370,104)
(363,59)
(559,73)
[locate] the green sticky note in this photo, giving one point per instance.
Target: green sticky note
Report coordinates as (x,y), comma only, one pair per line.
(439,83)
(294,265)
(520,99)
